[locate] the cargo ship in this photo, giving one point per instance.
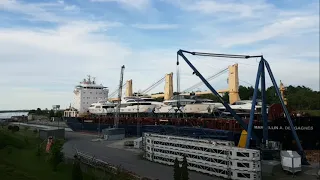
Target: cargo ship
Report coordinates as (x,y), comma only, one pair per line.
(224,128)
(200,119)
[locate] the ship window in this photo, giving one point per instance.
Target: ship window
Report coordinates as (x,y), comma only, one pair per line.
(98,106)
(90,92)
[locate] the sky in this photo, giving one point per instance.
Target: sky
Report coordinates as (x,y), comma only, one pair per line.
(47,47)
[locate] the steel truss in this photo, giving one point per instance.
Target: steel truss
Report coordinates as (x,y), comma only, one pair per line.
(207,156)
(214,142)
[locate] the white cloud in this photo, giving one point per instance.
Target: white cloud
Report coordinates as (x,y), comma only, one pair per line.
(137,4)
(53,12)
(35,11)
(46,61)
(155,26)
(227,8)
(282,27)
(20,95)
(212,7)
(40,66)
(71,8)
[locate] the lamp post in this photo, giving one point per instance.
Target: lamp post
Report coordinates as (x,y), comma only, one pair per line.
(99,133)
(138,123)
(56,109)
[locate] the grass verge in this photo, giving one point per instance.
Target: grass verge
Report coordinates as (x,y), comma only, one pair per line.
(19,159)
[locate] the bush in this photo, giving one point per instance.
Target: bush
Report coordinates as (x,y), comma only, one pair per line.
(35,131)
(9,127)
(39,151)
(184,169)
(26,128)
(15,129)
(56,156)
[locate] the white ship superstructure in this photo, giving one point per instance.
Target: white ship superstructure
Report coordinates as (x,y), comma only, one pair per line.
(88,92)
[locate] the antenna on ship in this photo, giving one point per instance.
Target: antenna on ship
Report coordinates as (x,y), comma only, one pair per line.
(94,80)
(89,79)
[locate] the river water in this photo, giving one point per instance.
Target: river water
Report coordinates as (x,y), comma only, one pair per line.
(8,115)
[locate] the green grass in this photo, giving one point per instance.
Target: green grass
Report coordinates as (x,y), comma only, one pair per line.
(18,159)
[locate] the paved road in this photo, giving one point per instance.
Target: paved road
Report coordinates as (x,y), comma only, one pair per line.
(112,153)
(127,159)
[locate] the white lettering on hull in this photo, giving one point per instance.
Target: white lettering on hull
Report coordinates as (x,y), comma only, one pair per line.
(297,128)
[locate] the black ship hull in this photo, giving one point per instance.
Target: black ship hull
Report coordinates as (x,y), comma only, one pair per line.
(307,129)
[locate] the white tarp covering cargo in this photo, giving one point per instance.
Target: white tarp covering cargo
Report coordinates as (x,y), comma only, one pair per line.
(291,161)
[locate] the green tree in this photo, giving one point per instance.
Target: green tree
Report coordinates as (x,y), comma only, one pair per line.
(225,97)
(32,112)
(38,111)
(184,169)
(76,171)
(56,156)
(59,114)
(210,96)
(176,170)
(51,113)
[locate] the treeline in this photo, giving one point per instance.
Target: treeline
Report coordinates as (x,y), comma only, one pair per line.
(11,111)
(298,97)
(46,112)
